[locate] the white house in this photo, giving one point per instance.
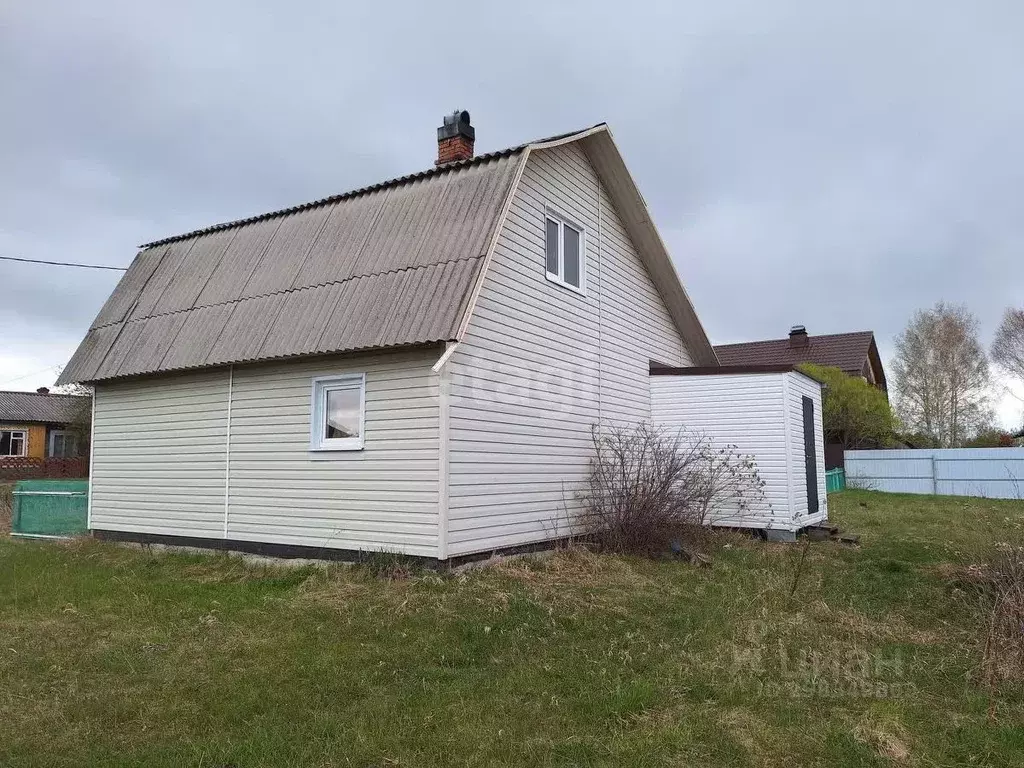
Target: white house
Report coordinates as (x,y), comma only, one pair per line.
(414,366)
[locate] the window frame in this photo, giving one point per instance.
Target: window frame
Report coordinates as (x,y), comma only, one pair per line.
(559,277)
(64,434)
(320,387)
(24,441)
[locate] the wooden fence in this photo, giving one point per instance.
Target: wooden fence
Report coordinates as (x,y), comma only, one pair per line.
(32,468)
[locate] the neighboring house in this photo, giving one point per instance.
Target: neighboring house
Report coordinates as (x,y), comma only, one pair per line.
(41,425)
(855,353)
(414,366)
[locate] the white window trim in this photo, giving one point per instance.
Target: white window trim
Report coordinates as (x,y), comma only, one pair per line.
(557,279)
(24,441)
(321,385)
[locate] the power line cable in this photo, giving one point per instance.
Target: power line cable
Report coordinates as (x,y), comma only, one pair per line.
(62,263)
(28,375)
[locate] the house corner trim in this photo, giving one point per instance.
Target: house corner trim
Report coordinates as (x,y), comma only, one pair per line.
(443,474)
(227,450)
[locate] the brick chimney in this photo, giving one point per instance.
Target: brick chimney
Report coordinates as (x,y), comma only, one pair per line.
(455,138)
(798,336)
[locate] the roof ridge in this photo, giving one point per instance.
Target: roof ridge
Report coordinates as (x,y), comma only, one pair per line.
(239,300)
(386,184)
(37,394)
(810,336)
(396,181)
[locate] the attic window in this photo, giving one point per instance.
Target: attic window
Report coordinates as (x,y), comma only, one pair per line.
(338,413)
(566,264)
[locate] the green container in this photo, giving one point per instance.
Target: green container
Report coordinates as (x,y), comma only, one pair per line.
(50,508)
(835,480)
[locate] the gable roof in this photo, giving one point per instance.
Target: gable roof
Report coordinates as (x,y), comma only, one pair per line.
(846,351)
(395,264)
(38,407)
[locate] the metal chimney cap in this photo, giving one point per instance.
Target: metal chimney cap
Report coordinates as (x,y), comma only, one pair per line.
(456,124)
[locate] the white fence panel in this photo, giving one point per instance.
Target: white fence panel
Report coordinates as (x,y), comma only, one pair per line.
(995,473)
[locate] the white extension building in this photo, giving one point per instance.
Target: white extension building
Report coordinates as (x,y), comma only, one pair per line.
(772,413)
(414,366)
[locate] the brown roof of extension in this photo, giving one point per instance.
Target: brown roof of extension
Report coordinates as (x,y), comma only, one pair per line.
(846,351)
(18,407)
(388,265)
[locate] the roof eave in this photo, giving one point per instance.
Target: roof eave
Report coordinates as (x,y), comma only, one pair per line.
(607,159)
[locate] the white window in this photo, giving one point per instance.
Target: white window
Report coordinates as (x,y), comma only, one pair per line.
(566,264)
(63,444)
(339,404)
(12,442)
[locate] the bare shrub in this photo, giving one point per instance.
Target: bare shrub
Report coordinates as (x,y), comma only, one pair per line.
(388,565)
(650,485)
(6,508)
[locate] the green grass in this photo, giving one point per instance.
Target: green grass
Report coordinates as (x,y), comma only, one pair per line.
(112,656)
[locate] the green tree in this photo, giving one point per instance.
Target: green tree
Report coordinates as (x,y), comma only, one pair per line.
(854,412)
(990,438)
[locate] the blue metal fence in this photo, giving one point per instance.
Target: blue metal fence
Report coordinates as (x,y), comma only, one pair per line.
(995,473)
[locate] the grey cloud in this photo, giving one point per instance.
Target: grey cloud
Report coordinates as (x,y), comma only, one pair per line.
(833,164)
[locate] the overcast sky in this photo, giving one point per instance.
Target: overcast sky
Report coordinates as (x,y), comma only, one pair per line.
(832,164)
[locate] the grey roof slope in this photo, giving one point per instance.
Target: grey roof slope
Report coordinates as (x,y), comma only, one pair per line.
(37,407)
(387,265)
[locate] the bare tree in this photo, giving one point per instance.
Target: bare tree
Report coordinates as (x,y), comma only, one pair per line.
(81,419)
(1008,346)
(941,374)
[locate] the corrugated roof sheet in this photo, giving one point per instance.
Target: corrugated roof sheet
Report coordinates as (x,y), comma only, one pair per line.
(393,264)
(388,265)
(16,407)
(847,351)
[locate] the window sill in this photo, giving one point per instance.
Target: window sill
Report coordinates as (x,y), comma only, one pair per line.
(332,454)
(329,449)
(568,286)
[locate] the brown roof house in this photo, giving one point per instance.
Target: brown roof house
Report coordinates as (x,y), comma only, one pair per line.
(40,424)
(855,353)
(412,366)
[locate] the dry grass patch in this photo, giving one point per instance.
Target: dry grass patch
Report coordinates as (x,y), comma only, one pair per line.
(566,581)
(887,737)
(6,508)
(892,628)
(573,567)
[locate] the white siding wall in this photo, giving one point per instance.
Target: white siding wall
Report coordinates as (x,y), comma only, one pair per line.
(382,497)
(747,411)
(799,387)
(540,364)
(160,454)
